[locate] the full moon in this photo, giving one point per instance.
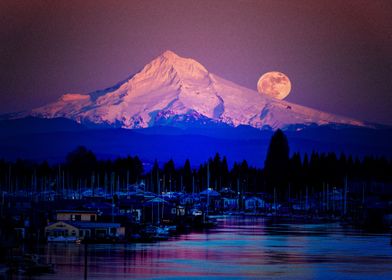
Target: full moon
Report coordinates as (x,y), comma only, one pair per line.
(274,84)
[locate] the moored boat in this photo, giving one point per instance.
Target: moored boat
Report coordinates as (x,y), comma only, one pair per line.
(63,239)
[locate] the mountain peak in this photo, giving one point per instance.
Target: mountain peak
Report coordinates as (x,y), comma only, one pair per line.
(182,64)
(168,54)
(170,67)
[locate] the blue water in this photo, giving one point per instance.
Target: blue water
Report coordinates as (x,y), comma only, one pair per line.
(238,249)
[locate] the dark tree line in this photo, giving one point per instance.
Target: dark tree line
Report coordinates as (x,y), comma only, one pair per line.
(214,173)
(292,175)
(81,169)
(283,173)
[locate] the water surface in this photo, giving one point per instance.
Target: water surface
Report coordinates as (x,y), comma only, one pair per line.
(238,249)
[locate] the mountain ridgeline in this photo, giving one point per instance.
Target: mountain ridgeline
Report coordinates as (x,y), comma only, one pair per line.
(176,91)
(174,108)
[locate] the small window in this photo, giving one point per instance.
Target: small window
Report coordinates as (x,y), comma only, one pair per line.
(92,218)
(73,233)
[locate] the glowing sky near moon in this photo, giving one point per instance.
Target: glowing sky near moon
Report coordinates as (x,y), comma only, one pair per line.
(337,53)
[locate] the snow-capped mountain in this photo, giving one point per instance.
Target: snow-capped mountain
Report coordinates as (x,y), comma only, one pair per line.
(171,89)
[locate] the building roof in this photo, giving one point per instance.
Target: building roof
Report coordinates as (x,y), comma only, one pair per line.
(210,192)
(155,200)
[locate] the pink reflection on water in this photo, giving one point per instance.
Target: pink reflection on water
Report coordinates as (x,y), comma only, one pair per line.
(238,248)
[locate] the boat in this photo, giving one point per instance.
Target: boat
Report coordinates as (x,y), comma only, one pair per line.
(63,239)
(170,228)
(155,233)
(162,233)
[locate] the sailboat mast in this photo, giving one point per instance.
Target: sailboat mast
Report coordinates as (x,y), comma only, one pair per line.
(193,185)
(208,186)
(158,189)
(345,197)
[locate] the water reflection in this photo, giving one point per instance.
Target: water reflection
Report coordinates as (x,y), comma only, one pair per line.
(239,248)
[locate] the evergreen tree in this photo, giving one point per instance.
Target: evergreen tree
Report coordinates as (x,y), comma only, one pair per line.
(295,173)
(224,173)
(276,164)
(215,172)
(81,163)
(169,171)
(137,167)
(187,176)
(244,174)
(154,177)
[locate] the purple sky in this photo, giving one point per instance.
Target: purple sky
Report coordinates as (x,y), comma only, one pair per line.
(338,54)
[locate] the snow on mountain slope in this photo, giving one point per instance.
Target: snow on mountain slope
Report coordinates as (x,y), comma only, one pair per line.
(175,89)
